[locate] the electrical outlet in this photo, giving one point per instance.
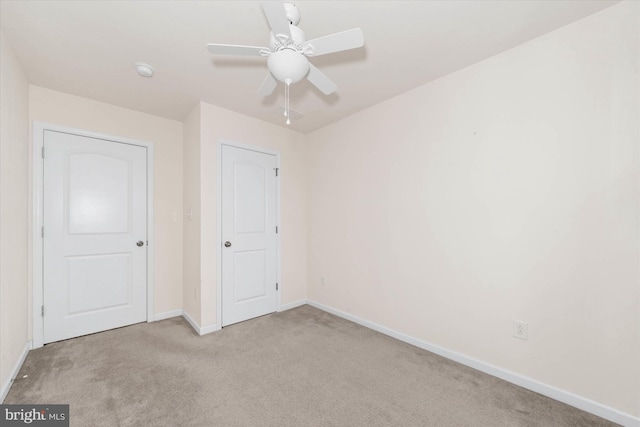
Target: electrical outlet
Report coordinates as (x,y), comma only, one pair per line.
(322,281)
(520,330)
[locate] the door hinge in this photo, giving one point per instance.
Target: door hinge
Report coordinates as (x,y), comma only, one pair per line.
(42,232)
(43,311)
(276,286)
(276,229)
(276,169)
(42,152)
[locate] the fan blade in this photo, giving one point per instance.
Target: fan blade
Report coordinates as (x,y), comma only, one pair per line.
(319,80)
(337,42)
(278,21)
(268,85)
(232,49)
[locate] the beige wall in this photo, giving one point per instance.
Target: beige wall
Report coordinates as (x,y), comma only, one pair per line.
(218,123)
(14,204)
(166,135)
(507,190)
(191,202)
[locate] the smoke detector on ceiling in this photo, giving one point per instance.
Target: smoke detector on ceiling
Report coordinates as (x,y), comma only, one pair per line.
(144,70)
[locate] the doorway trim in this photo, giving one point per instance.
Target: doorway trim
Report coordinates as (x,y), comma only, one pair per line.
(38,219)
(218,240)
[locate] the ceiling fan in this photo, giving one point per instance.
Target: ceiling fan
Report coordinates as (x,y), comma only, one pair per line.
(288,51)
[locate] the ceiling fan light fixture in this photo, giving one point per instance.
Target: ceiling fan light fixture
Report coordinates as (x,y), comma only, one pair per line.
(287,64)
(144,70)
(288,50)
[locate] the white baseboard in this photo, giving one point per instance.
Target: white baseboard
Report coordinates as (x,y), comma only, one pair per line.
(200,330)
(14,372)
(563,396)
(167,315)
(208,329)
(294,304)
(192,322)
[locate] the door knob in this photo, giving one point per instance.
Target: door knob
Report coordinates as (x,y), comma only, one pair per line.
(140,243)
(227,244)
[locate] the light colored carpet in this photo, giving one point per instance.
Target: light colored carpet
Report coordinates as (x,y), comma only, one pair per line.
(302,367)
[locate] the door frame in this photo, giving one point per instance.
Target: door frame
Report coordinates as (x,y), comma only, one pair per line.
(38,219)
(220,144)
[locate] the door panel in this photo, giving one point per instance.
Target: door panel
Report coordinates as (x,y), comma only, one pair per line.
(98,194)
(95,210)
(99,282)
(250,275)
(249,264)
(250,191)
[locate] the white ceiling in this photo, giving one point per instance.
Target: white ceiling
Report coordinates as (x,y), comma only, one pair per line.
(88,48)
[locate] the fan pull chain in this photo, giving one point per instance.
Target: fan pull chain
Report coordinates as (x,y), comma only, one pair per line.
(286,101)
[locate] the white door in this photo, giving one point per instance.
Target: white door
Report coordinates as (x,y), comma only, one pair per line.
(95,232)
(249,258)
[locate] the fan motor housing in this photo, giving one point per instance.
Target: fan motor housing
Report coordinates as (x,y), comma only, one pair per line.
(297,39)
